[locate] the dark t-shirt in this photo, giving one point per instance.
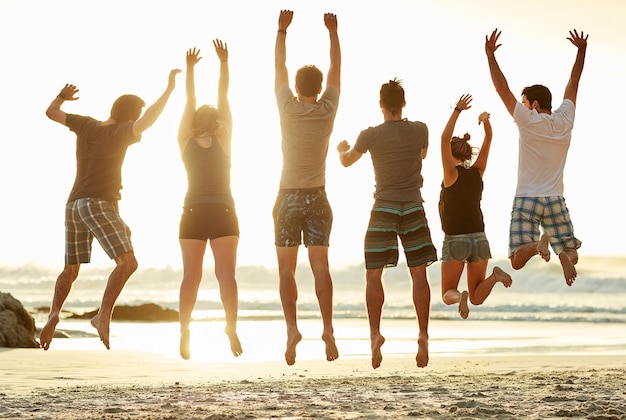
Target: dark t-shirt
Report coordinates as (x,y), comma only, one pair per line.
(100,152)
(396,150)
(459,204)
(208,174)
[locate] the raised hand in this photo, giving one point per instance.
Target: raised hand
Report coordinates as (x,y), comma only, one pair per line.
(580,41)
(330,20)
(221,49)
(171,81)
(193,56)
(343,146)
(68,92)
(284,20)
(464,102)
(483,117)
(491,41)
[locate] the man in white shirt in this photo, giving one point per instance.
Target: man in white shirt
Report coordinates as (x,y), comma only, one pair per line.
(544,139)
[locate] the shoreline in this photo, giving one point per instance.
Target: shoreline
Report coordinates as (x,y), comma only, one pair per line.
(73,384)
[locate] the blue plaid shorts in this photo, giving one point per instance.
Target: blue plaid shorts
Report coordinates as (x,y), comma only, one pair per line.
(549,213)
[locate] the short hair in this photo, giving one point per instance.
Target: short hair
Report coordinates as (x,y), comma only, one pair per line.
(127,108)
(309,80)
(461,149)
(392,95)
(205,120)
(539,93)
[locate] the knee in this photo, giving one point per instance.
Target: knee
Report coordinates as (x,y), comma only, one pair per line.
(70,272)
(127,262)
(516,265)
(476,302)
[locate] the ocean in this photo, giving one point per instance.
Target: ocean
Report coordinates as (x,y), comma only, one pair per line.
(538,314)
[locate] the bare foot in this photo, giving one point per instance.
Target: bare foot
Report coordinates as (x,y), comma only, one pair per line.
(542,247)
(569,270)
(377,356)
(235,345)
(463,306)
(185,350)
(422,351)
(103,329)
(47,332)
(331,348)
(292,342)
(502,277)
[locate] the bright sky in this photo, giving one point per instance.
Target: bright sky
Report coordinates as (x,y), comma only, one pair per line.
(437,48)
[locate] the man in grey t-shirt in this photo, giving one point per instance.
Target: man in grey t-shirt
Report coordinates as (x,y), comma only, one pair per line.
(302,212)
(397,147)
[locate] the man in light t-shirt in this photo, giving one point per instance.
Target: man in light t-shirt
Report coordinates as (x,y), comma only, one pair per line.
(544,139)
(301,212)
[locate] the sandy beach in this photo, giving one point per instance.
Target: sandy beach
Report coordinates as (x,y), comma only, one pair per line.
(130,384)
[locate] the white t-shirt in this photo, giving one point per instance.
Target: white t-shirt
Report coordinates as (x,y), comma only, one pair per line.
(544,140)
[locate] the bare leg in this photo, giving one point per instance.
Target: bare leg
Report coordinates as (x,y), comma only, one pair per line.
(126,266)
(450,275)
(525,252)
(318,257)
(287,259)
(480,287)
(62,289)
(193,254)
(225,254)
(421,301)
(374,299)
(568,259)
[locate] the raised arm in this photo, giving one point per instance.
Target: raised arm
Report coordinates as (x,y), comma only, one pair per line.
(225,130)
(152,113)
(580,41)
(54,111)
(483,155)
(280,50)
(497,77)
(448,161)
(185,129)
(347,155)
(334,71)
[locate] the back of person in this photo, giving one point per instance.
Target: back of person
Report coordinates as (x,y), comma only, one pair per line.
(306,129)
(459,204)
(544,143)
(396,148)
(100,152)
(208,174)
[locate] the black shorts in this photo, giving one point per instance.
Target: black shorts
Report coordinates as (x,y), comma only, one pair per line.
(208,221)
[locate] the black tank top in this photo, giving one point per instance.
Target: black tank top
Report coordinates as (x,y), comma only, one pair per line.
(459,204)
(208,174)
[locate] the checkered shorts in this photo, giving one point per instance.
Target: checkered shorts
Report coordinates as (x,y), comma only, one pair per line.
(87,218)
(551,213)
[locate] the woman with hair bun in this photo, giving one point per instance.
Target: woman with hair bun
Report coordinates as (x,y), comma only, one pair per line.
(465,242)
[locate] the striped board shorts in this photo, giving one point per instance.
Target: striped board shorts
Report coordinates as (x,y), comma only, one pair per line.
(551,213)
(390,220)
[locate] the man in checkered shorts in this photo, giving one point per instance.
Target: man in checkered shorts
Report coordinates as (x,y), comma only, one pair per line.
(91,210)
(544,139)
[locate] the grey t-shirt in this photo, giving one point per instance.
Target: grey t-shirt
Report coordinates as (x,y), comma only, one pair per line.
(306,130)
(396,150)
